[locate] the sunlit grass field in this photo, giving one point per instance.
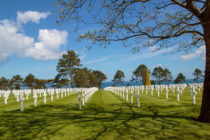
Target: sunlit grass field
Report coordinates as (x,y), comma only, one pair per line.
(105,116)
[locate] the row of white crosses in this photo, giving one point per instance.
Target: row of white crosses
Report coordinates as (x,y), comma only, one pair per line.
(22,95)
(84,94)
(124,91)
(193,92)
(175,88)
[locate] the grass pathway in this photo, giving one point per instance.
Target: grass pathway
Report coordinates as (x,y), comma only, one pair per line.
(105,116)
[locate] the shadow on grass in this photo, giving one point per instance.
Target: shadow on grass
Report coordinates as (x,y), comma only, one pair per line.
(114,120)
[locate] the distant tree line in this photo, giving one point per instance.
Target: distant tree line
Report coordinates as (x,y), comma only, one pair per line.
(161,75)
(16,82)
(69,73)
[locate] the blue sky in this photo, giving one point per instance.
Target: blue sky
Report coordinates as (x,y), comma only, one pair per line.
(32,42)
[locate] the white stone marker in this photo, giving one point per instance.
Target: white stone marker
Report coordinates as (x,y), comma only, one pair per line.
(61,93)
(152,88)
(132,97)
(45,95)
(123,93)
(5,98)
(83,98)
(79,100)
(51,93)
(17,96)
(35,99)
(146,90)
(57,94)
(177,92)
(193,93)
(21,102)
(26,95)
(138,99)
(158,92)
(166,92)
(126,94)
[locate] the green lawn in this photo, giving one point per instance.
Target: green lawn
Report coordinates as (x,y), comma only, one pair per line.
(105,116)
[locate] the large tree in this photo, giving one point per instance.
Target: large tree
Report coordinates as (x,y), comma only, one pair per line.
(60,81)
(67,65)
(16,81)
(4,83)
(40,84)
(30,81)
(197,74)
(82,77)
(119,77)
(180,78)
(99,77)
(167,77)
(163,23)
(158,74)
(139,73)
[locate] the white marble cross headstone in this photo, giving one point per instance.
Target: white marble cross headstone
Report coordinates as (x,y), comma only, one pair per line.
(138,99)
(177,92)
(35,98)
(79,100)
(131,97)
(166,92)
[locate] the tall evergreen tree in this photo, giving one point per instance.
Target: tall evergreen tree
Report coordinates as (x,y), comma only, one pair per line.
(99,76)
(16,81)
(139,73)
(30,81)
(67,65)
(197,74)
(158,74)
(180,78)
(4,83)
(82,77)
(167,77)
(60,81)
(119,77)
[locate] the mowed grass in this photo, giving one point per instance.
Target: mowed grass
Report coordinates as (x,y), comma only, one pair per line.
(105,116)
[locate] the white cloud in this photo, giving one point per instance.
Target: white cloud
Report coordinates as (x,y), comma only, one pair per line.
(32,16)
(12,42)
(200,52)
(48,46)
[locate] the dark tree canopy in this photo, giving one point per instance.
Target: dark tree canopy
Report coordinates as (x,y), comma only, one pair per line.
(60,81)
(99,76)
(17,81)
(197,74)
(40,84)
(119,77)
(82,77)
(67,65)
(158,74)
(4,83)
(30,81)
(139,73)
(180,78)
(167,77)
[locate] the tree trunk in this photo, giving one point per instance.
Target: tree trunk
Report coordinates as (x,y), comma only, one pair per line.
(205,107)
